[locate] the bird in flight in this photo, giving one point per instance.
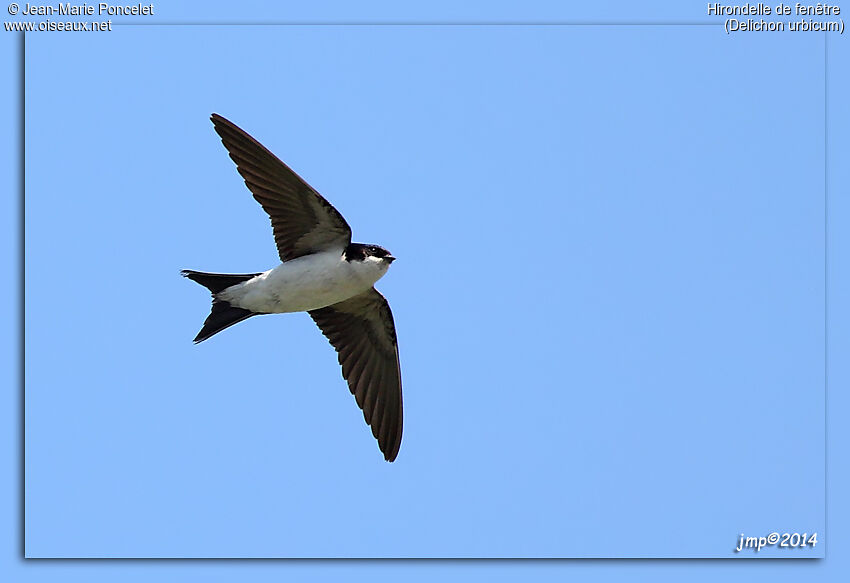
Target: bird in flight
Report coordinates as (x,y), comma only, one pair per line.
(322,273)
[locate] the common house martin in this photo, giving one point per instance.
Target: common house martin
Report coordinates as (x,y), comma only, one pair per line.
(322,273)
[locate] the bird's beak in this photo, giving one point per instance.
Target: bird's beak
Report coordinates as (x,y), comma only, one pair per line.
(389,258)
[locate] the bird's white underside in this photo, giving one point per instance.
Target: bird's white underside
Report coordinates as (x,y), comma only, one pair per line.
(306,283)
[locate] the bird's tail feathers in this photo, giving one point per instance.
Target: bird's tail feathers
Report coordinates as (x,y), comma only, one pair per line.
(223,315)
(216,282)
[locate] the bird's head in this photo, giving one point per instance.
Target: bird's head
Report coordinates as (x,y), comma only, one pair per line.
(374,255)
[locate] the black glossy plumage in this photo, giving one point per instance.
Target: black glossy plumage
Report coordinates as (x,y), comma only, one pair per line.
(360,251)
(216,282)
(222,315)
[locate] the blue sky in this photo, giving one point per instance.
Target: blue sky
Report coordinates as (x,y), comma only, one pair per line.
(609,294)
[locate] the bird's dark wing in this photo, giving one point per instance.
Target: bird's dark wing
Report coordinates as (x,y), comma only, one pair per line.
(361,330)
(302,220)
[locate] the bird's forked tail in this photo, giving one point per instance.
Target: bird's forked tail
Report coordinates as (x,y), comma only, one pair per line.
(223,315)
